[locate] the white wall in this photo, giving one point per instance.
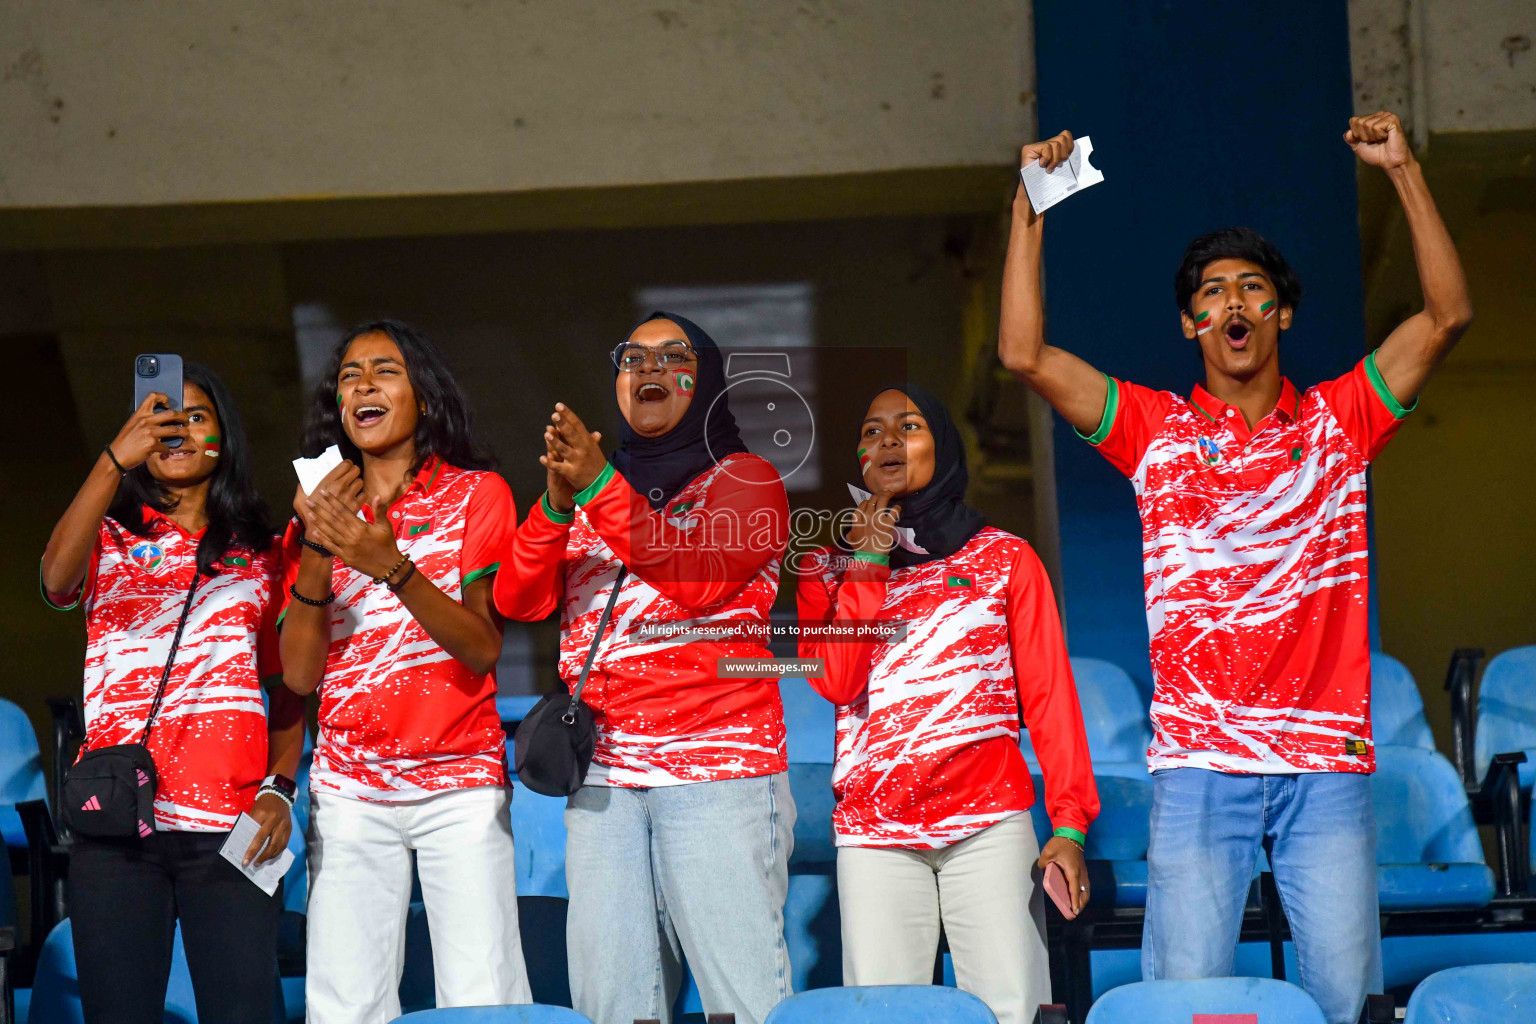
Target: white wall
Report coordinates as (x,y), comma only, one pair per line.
(1446,65)
(160,102)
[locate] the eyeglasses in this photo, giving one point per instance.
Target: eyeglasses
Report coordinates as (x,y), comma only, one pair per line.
(670,355)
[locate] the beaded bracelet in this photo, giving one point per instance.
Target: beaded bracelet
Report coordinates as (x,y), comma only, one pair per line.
(385,578)
(394,588)
(294,590)
(319,549)
(284,797)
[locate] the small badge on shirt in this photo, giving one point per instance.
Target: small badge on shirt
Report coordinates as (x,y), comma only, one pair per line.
(1295,454)
(238,561)
(147,555)
(959,583)
(417,529)
(1356,748)
(680,508)
(1210,451)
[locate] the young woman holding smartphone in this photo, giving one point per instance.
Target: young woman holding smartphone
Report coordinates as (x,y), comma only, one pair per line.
(148,521)
(389,615)
(932,822)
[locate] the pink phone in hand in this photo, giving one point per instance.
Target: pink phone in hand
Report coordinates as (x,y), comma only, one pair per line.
(1057,889)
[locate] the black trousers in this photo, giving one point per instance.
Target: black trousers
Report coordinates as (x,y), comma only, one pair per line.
(125,897)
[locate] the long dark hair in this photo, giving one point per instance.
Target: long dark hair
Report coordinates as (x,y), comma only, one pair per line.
(237,517)
(445,427)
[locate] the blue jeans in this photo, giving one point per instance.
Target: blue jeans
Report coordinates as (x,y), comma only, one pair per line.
(1207,830)
(699,870)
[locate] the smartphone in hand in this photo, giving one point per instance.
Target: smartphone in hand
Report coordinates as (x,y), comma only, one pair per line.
(160,372)
(1057,889)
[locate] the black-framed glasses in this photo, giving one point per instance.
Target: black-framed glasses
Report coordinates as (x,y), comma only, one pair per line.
(669,355)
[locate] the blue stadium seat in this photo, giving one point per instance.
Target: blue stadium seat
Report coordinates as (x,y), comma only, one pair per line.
(812,925)
(810,721)
(21,771)
(538,842)
(1119,835)
(534,1014)
(1427,850)
(1397,706)
(1474,995)
(1506,712)
(1114,717)
(512,710)
(882,1004)
(55,996)
(1177,1002)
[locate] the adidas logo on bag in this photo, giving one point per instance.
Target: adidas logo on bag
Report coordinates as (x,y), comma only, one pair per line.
(91,805)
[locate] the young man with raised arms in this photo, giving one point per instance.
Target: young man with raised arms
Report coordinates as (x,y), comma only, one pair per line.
(1252,497)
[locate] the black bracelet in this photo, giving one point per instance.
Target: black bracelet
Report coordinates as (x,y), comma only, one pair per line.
(293,589)
(397,567)
(394,588)
(108,449)
(319,549)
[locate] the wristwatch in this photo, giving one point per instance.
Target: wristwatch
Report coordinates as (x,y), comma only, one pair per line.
(282,785)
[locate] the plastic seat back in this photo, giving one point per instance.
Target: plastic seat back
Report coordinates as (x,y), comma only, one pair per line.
(1427,849)
(1177,1002)
(1114,717)
(534,1014)
(1473,995)
(1506,712)
(538,842)
(1397,706)
(56,985)
(882,1004)
(810,720)
(21,771)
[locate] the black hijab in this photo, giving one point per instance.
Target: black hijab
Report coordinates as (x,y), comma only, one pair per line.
(940,520)
(659,467)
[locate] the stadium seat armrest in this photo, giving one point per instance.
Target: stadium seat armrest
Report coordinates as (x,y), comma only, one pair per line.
(1501,792)
(7,974)
(68,733)
(1459,676)
(1051,1013)
(1379,1009)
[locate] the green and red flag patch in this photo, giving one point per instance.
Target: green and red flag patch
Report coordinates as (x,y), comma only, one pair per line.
(959,583)
(417,529)
(865,460)
(1203,322)
(684,381)
(680,508)
(1268,309)
(211,446)
(237,560)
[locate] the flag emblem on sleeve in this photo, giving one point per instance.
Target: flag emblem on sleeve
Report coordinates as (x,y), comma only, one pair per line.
(959,583)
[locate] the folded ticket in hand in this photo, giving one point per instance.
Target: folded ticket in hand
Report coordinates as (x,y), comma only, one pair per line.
(312,471)
(265,876)
(1046,189)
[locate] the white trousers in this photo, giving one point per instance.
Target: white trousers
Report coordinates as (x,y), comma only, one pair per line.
(360,891)
(984,892)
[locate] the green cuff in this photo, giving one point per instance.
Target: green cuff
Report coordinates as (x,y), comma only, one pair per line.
(479,574)
(590,491)
(49,601)
(1080,838)
(1388,399)
(1111,406)
(872,556)
(560,518)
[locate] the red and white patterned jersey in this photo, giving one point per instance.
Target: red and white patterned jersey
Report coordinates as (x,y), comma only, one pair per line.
(1255,560)
(209,741)
(928,727)
(664,716)
(401,718)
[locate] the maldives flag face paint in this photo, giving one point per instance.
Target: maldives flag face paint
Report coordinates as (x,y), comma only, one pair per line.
(684,381)
(1268,309)
(211,446)
(865,460)
(1203,323)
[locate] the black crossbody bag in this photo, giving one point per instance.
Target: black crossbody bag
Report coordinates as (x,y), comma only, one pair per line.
(552,747)
(110,792)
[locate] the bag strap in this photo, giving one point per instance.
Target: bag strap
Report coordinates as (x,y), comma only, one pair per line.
(602,625)
(170,659)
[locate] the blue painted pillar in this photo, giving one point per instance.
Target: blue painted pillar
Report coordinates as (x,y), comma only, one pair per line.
(1203,115)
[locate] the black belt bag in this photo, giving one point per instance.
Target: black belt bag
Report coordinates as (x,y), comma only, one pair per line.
(110,792)
(552,747)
